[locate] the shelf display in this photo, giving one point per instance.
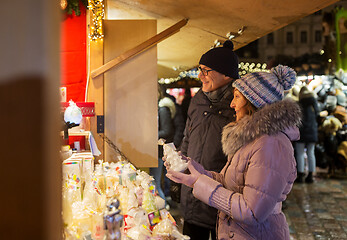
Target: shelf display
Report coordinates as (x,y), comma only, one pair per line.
(88,191)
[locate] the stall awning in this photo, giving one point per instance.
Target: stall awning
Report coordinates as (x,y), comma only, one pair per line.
(211,20)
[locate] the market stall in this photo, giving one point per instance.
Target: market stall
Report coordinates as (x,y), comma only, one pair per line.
(113,194)
(115,200)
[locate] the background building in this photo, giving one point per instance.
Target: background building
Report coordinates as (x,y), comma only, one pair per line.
(308,45)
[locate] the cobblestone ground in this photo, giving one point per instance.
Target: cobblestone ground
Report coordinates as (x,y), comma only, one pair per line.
(318,211)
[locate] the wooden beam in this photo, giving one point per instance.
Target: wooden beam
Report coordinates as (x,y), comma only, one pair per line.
(140,48)
(95,90)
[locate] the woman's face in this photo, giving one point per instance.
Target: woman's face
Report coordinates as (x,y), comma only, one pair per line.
(239,104)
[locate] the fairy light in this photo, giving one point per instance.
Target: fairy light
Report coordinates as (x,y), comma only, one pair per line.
(97,8)
(245,68)
(193,74)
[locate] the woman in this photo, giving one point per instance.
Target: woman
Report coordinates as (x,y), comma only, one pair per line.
(261,167)
(308,135)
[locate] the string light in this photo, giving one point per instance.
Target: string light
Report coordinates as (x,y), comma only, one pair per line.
(190,74)
(63,4)
(97,9)
(245,68)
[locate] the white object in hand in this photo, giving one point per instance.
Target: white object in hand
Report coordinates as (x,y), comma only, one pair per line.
(176,162)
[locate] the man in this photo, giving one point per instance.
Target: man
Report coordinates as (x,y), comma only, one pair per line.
(208,113)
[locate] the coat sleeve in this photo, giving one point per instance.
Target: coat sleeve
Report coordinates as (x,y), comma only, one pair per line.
(265,183)
(315,107)
(212,193)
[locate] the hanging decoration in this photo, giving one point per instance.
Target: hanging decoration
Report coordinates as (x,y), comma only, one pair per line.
(70,6)
(97,9)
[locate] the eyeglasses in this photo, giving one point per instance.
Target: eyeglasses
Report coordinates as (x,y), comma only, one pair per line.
(204,71)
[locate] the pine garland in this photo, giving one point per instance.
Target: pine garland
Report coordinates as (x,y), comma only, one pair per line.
(74,6)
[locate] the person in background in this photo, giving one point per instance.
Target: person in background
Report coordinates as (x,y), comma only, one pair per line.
(185,102)
(330,103)
(293,93)
(179,124)
(340,98)
(308,135)
(208,113)
(166,131)
(261,166)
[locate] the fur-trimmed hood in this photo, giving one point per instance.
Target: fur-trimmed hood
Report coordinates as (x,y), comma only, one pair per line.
(167,102)
(269,120)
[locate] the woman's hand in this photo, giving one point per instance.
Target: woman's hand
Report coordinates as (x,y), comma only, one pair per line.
(186,179)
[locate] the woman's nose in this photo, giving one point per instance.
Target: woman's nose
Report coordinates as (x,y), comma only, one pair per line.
(232,105)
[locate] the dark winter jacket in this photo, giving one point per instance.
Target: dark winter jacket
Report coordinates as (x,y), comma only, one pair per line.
(202,142)
(309,108)
(166,130)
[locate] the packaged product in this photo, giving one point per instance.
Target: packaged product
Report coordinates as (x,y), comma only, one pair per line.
(174,160)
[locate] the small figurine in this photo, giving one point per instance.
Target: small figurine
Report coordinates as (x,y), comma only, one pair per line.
(113,220)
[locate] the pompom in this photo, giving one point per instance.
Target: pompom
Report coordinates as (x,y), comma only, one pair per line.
(228,44)
(286,76)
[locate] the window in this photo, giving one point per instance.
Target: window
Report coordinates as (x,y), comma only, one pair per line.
(303,37)
(249,51)
(318,36)
(270,39)
(289,37)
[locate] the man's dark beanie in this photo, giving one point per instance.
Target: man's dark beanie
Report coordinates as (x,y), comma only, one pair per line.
(222,59)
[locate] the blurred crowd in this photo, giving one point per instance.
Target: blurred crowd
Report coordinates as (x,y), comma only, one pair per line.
(323,134)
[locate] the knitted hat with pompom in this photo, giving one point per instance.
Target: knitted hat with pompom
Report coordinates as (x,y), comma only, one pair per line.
(262,88)
(222,59)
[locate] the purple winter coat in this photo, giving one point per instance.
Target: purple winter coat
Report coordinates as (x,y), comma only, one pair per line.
(258,176)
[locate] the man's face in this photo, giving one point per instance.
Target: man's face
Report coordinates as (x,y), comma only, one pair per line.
(212,80)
